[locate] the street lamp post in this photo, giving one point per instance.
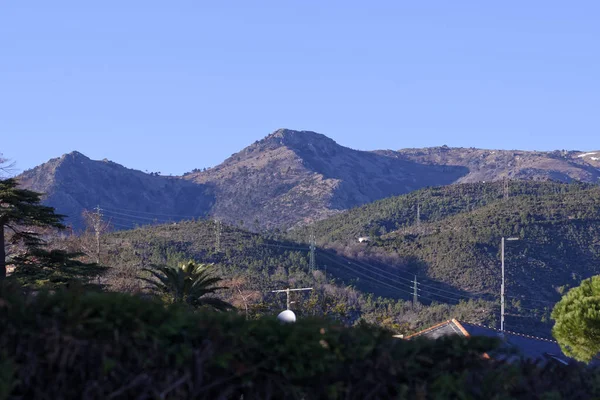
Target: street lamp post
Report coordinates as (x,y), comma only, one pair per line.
(502,286)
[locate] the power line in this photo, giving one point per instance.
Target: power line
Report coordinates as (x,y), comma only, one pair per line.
(124,220)
(128,220)
(392,275)
(432,291)
(409,280)
(150,213)
(432,288)
(368,277)
(373,272)
(122,226)
(284,247)
(458,300)
(454,299)
(136,216)
(533,300)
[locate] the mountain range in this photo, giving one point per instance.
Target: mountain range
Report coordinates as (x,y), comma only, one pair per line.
(287,179)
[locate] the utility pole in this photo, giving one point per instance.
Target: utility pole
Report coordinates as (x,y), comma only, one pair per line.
(502,287)
(312,251)
(502,292)
(415,294)
(97,229)
(218,236)
(287,292)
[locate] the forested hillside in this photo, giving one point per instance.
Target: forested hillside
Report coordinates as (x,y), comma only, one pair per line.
(455,247)
(253,265)
(429,204)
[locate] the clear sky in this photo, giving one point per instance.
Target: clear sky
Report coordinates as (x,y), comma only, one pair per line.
(174,85)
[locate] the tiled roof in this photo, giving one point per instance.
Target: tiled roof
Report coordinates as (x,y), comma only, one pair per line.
(530,347)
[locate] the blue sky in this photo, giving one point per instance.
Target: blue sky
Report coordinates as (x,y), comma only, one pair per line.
(174,85)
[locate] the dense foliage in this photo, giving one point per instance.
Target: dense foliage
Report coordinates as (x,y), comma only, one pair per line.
(577,316)
(102,345)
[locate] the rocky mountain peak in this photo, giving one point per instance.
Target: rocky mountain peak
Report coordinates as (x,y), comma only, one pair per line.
(74,156)
(294,139)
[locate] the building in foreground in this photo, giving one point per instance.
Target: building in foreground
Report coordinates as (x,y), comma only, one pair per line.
(516,345)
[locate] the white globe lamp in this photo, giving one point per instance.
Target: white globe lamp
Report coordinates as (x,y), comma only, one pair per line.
(287,317)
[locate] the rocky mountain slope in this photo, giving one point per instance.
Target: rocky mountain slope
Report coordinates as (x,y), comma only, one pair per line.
(492,165)
(295,177)
(287,179)
(73,183)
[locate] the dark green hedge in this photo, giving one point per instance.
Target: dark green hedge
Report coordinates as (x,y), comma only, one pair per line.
(72,345)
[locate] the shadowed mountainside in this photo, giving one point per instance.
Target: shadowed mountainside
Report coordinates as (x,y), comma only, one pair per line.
(73,183)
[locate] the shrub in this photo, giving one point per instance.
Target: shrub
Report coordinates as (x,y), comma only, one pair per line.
(84,345)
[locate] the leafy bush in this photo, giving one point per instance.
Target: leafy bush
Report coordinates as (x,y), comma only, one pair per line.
(77,345)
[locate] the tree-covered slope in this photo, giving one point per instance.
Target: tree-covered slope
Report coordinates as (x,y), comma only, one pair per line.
(427,205)
(455,249)
(253,265)
(559,243)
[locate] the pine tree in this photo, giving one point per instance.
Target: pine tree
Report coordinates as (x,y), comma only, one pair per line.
(20,209)
(577,316)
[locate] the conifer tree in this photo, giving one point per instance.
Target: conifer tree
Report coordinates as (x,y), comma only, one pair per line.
(577,316)
(19,210)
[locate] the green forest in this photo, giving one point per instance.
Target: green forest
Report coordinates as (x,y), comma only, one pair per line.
(449,237)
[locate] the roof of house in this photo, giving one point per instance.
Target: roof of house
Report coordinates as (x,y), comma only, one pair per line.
(530,347)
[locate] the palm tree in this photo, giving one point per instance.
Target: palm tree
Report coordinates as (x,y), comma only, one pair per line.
(188,283)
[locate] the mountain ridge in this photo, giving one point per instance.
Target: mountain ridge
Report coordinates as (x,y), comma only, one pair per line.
(290,178)
(73,182)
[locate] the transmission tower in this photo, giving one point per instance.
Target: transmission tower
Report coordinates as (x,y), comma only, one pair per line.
(415,294)
(217,236)
(505,188)
(313,247)
(418,214)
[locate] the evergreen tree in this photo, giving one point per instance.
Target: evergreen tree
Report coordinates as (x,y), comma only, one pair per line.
(577,316)
(20,209)
(53,268)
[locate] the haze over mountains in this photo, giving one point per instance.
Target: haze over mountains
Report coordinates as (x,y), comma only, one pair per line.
(289,178)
